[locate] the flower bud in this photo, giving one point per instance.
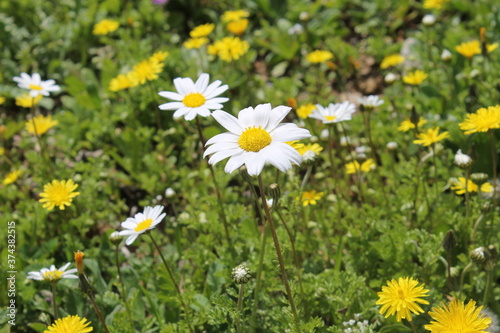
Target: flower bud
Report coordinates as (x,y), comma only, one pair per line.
(391,145)
(391,77)
(241,274)
(169,192)
(429,20)
(462,160)
(479,178)
(115,238)
(446,55)
(79,261)
(275,192)
(449,240)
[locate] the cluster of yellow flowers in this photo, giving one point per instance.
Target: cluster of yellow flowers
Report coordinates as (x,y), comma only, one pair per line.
(146,70)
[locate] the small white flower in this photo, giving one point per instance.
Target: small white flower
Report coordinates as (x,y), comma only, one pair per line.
(333,113)
(391,77)
(194,99)
(52,274)
(371,101)
(169,192)
(325,134)
(241,274)
(256,138)
(462,160)
(141,223)
(392,145)
(446,55)
(297,29)
(345,141)
(429,20)
(35,84)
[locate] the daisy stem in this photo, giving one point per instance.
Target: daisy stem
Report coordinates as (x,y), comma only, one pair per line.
(366,118)
(278,252)
(467,176)
(218,194)
(487,288)
(174,281)
(124,295)
(462,277)
(435,170)
(239,309)
(358,170)
(306,178)
(54,299)
(494,159)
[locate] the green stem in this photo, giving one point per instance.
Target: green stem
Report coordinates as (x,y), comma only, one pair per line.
(494,159)
(174,281)
(258,278)
(413,326)
(54,300)
(157,110)
(306,178)
(487,288)
(462,277)
(277,246)
(467,195)
(218,194)
(39,140)
(358,170)
(120,279)
(97,311)
(239,309)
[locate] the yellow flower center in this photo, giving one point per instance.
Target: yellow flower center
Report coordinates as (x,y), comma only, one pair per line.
(193,100)
(330,118)
(52,275)
(254,139)
(401,294)
(143,225)
(35,87)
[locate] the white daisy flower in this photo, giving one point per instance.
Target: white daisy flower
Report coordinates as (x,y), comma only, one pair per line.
(194,98)
(52,274)
(256,138)
(35,84)
(334,113)
(142,222)
(370,102)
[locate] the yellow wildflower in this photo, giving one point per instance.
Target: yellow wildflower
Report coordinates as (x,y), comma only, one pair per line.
(12,177)
(26,101)
(311,197)
(469,49)
(391,60)
(2,100)
(195,43)
(407,125)
(459,186)
(319,56)
(104,27)
(237,27)
(430,137)
(434,4)
(415,78)
(482,121)
(458,317)
(58,193)
(234,15)
(41,124)
(202,30)
(229,48)
(305,110)
(366,166)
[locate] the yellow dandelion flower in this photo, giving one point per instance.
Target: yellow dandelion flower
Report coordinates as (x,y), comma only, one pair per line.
(401,297)
(407,124)
(122,82)
(366,166)
(491,47)
(483,120)
(73,324)
(229,48)
(309,151)
(41,124)
(415,78)
(159,56)
(305,110)
(434,4)
(319,56)
(147,70)
(104,27)
(195,43)
(459,186)
(469,49)
(311,197)
(295,144)
(2,151)
(58,193)
(234,15)
(202,30)
(26,101)
(458,317)
(430,137)
(391,60)
(2,100)
(11,177)
(237,27)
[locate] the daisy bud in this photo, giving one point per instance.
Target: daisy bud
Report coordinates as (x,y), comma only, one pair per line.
(429,20)
(304,16)
(244,174)
(446,55)
(115,238)
(169,192)
(391,77)
(449,240)
(479,178)
(462,160)
(392,145)
(414,117)
(241,274)
(478,255)
(491,259)
(485,207)
(275,192)
(324,135)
